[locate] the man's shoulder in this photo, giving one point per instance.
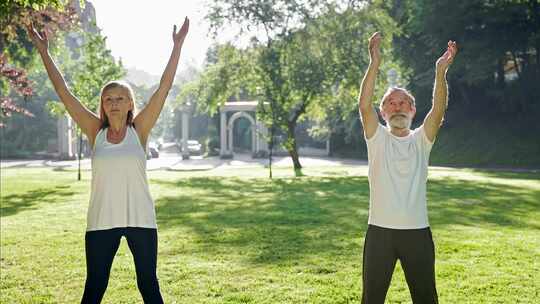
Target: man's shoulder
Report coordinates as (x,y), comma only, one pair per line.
(379,132)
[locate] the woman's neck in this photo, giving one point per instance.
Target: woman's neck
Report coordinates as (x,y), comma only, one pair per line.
(116,125)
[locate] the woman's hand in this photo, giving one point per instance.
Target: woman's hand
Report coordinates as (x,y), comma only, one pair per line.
(178,37)
(40,40)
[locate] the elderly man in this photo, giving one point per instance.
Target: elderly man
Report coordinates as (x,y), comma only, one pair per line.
(398,226)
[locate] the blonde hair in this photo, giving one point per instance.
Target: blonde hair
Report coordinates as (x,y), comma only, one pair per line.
(392,90)
(111,85)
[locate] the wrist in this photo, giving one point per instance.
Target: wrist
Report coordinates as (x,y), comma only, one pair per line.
(375,62)
(440,74)
(43,51)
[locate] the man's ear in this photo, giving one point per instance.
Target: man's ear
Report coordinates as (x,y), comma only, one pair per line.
(383,113)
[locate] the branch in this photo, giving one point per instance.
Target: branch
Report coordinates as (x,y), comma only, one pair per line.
(302,109)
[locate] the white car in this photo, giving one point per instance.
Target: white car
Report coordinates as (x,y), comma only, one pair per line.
(194,147)
(153,150)
(169,147)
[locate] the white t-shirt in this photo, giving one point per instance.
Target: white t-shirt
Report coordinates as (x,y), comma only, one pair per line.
(398,168)
(120,196)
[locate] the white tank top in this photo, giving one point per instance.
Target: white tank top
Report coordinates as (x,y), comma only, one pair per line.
(119,196)
(398,170)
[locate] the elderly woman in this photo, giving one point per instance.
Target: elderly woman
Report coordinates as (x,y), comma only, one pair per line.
(120,201)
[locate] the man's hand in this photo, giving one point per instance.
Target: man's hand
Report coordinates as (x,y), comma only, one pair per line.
(368,115)
(434,118)
(375,48)
(178,37)
(447,58)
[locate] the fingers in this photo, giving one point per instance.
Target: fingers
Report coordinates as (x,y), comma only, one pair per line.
(375,38)
(35,35)
(448,56)
(452,47)
(375,35)
(453,50)
(185,26)
(450,52)
(180,35)
(31,30)
(374,41)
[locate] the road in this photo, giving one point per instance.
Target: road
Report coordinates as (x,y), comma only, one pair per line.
(175,162)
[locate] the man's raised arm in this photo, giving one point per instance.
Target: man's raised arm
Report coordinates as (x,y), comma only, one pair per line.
(368,115)
(434,118)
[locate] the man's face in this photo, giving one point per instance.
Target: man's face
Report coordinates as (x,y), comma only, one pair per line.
(398,110)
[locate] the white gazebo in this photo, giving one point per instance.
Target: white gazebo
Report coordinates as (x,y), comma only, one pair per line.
(186,113)
(65,138)
(241,109)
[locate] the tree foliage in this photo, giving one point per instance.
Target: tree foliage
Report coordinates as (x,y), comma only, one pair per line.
(50,16)
(498,64)
(309,52)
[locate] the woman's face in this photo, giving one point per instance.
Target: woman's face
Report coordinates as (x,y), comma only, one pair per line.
(116,103)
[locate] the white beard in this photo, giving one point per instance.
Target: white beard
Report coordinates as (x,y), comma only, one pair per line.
(398,121)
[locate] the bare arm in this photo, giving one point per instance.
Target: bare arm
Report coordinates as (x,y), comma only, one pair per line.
(368,115)
(87,120)
(434,118)
(145,120)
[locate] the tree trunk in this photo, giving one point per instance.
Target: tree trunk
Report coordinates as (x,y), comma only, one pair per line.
(292,149)
(500,74)
(296,162)
(535,12)
(270,148)
(330,148)
(80,154)
(516,65)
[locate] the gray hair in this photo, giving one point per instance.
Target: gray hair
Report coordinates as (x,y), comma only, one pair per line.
(392,90)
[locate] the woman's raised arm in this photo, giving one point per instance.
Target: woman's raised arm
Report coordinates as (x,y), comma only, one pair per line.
(86,119)
(146,119)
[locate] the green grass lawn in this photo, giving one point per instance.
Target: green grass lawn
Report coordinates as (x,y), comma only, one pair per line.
(246,239)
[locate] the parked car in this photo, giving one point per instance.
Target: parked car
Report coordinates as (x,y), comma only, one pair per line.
(194,147)
(170,147)
(153,151)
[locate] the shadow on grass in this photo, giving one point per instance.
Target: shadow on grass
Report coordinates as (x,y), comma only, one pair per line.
(526,175)
(452,201)
(15,203)
(272,221)
(284,219)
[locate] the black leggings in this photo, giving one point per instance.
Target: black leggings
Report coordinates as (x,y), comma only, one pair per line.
(416,252)
(101,247)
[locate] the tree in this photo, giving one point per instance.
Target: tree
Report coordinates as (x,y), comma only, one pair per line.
(281,104)
(342,38)
(309,52)
(51,16)
(498,39)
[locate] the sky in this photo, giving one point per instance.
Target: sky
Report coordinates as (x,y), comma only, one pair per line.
(140,32)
